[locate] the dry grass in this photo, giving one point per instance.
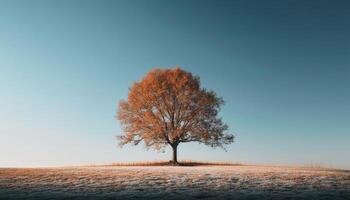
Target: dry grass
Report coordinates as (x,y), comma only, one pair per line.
(169,163)
(169,182)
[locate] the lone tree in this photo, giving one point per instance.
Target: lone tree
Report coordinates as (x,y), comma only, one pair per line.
(168,107)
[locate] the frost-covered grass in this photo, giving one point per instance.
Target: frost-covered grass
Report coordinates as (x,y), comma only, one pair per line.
(167,182)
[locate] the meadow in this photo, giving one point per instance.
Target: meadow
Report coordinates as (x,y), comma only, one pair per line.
(201,181)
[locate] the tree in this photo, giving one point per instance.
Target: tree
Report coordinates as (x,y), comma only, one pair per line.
(168,107)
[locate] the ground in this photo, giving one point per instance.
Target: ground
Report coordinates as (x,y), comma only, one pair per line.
(166,182)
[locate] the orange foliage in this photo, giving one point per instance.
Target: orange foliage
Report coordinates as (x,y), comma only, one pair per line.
(168,107)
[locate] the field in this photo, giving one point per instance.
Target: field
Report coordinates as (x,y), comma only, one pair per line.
(167,182)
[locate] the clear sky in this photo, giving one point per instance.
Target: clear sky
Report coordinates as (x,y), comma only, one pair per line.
(283,68)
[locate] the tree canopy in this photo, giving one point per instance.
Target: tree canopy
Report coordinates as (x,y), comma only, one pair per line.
(168,107)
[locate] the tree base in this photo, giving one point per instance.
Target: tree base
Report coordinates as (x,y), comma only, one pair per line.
(173,163)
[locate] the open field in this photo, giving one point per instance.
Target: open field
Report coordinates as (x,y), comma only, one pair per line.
(167,182)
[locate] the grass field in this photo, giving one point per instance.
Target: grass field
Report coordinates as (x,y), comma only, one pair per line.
(167,182)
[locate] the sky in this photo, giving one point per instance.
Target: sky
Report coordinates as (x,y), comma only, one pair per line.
(282,67)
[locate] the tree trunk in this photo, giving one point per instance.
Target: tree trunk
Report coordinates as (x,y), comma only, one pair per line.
(175,155)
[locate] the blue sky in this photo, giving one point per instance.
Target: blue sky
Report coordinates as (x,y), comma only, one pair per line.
(283,69)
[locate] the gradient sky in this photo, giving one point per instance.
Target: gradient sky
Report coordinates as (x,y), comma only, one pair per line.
(283,68)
